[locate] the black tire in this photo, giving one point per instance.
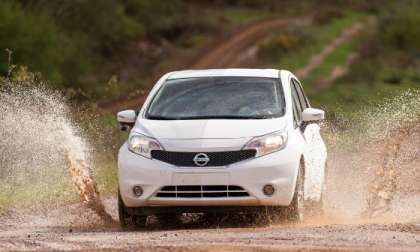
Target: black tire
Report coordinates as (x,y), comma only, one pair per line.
(128,221)
(265,217)
(169,219)
(295,211)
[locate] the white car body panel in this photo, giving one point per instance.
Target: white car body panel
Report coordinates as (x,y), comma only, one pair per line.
(278,169)
(315,159)
(235,72)
(208,129)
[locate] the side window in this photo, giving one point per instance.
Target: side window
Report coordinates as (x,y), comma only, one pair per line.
(302,98)
(297,107)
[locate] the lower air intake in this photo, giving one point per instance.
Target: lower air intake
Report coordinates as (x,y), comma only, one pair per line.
(202,191)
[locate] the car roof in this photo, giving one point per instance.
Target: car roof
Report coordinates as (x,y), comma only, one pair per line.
(234,72)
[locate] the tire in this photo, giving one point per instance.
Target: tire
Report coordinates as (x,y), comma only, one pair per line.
(169,219)
(316,208)
(128,221)
(295,211)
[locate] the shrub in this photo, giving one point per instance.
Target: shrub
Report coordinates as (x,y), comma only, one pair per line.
(399,26)
(278,45)
(326,15)
(32,37)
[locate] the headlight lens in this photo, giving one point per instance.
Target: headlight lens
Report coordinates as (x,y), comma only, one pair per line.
(268,143)
(143,145)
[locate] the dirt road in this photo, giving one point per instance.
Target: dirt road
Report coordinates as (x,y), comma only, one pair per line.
(74,228)
(234,51)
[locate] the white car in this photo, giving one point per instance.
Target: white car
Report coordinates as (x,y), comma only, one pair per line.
(221,140)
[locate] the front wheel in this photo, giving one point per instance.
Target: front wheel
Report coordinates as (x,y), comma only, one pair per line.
(169,219)
(295,211)
(127,220)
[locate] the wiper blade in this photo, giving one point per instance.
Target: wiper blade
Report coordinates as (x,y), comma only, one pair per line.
(220,117)
(156,117)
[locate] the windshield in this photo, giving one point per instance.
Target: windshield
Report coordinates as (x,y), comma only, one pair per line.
(218,98)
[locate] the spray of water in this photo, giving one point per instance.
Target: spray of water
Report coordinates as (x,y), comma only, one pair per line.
(40,143)
(373,162)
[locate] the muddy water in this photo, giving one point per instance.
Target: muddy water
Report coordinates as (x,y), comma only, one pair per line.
(43,150)
(86,187)
(374,163)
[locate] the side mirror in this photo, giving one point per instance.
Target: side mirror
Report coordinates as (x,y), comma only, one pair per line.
(313,115)
(127,119)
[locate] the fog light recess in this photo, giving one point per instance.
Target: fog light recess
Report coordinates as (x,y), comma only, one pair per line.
(269,190)
(137,191)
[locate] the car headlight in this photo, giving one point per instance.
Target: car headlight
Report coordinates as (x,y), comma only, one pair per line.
(268,143)
(143,145)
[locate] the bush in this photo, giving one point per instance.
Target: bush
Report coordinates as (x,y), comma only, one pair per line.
(278,45)
(33,38)
(326,15)
(399,26)
(273,48)
(103,24)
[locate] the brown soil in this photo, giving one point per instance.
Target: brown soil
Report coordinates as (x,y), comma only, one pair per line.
(75,228)
(226,55)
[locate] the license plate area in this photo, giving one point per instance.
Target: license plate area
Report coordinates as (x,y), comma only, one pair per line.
(188,178)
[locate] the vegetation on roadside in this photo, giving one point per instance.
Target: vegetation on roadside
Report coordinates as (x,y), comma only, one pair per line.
(387,55)
(388,61)
(79,45)
(293,49)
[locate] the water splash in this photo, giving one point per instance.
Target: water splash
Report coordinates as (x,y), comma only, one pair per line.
(40,145)
(373,159)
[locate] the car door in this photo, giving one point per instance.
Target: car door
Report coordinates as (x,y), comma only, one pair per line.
(314,150)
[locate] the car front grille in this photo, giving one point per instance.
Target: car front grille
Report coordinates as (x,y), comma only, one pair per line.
(201,191)
(186,159)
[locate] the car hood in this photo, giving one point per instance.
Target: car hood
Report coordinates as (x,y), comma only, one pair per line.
(208,129)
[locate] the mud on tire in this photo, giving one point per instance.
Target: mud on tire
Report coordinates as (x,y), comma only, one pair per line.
(295,211)
(128,221)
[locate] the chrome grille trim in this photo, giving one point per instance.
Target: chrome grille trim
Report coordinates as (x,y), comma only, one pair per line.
(201,191)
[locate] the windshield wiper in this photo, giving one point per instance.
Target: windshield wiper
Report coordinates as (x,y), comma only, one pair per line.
(220,117)
(153,117)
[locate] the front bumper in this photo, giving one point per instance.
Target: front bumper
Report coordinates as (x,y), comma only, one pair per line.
(278,169)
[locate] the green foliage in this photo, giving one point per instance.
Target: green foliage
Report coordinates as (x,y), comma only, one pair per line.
(103,24)
(78,45)
(313,39)
(33,39)
(284,44)
(327,14)
(388,62)
(244,15)
(399,26)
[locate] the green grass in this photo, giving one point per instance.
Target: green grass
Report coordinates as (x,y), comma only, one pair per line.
(4,200)
(336,58)
(320,36)
(106,176)
(346,96)
(241,16)
(27,194)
